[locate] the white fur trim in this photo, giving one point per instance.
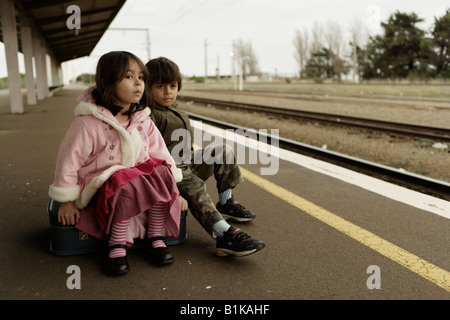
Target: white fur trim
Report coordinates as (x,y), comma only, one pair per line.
(178,175)
(95,184)
(64,194)
(136,140)
(128,143)
(85,108)
(130,146)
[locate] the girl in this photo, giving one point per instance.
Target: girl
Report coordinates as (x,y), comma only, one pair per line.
(114,175)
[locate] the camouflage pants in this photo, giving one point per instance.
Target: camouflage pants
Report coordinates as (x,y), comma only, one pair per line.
(221,164)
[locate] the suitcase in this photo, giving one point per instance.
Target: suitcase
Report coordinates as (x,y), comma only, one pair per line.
(68,240)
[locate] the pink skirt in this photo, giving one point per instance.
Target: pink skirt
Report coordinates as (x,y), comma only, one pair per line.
(129,193)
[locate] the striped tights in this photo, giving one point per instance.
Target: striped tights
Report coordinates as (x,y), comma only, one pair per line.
(156,218)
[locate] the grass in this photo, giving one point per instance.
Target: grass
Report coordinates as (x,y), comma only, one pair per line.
(439,90)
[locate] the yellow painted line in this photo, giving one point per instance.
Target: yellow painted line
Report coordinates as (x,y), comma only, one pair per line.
(408,260)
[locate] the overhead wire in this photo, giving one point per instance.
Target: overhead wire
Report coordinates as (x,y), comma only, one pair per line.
(186,9)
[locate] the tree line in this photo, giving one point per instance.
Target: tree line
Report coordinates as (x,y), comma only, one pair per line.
(401,51)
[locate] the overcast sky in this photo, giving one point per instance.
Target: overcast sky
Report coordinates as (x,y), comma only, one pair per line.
(178,29)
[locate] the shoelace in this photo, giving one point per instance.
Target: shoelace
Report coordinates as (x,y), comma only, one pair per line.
(238,205)
(241,234)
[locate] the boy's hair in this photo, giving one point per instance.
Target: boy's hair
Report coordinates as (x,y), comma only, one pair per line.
(163,70)
(112,68)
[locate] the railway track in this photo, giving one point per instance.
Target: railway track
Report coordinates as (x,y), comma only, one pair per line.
(426,185)
(392,128)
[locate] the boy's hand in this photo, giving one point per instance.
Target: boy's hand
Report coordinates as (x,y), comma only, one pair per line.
(68,214)
(184,204)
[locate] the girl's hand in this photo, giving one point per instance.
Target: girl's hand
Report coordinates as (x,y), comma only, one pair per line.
(183,203)
(68,214)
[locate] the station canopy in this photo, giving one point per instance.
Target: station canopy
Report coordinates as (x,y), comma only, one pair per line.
(49,18)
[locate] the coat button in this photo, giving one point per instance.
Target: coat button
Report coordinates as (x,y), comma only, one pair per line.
(111,157)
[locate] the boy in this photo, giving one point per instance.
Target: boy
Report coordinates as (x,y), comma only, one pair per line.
(165,82)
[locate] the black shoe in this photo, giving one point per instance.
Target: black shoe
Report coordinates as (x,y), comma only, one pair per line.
(159,256)
(237,243)
(116,266)
(234,211)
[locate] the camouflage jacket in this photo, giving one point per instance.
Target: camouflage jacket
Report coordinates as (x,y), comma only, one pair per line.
(169,119)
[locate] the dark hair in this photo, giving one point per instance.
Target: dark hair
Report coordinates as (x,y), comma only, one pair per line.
(112,68)
(163,70)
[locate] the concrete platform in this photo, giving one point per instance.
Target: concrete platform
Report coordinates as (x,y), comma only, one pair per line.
(305,258)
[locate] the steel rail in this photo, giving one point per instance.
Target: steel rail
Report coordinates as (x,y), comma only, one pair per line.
(408,130)
(423,184)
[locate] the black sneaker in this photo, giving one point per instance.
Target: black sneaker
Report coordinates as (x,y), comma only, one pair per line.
(234,211)
(237,243)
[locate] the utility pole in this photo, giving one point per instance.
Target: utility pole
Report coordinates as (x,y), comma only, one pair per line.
(206,61)
(148,45)
(241,71)
(233,66)
(218,68)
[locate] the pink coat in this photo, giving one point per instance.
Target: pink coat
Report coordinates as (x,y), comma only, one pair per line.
(96,146)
